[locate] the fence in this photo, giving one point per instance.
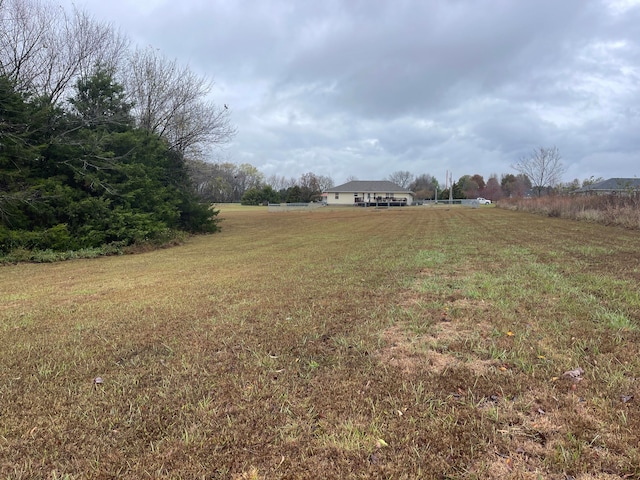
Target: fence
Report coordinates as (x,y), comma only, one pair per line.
(469,202)
(293,207)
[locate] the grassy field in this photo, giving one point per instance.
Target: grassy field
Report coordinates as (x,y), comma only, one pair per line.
(405,343)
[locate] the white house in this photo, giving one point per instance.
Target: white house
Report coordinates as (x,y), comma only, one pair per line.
(368,194)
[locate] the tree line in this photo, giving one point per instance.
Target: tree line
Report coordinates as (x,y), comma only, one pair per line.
(96,136)
(537,174)
(309,187)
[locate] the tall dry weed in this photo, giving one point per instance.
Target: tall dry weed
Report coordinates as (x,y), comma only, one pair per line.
(603,209)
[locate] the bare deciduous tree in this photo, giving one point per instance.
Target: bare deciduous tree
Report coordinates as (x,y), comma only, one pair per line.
(324,182)
(223,182)
(44,50)
(75,48)
(309,186)
(246,176)
(171,101)
(280,182)
(543,168)
(401,178)
(23,37)
(424,186)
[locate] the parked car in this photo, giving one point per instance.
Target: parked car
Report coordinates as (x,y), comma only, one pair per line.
(483,201)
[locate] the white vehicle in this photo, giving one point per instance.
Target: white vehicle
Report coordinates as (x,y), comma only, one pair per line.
(483,201)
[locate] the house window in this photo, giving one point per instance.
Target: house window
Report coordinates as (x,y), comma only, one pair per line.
(337,196)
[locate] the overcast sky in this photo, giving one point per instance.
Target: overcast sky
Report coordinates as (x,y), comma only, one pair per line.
(364,88)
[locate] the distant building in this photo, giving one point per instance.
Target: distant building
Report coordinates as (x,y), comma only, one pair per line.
(613,186)
(368,194)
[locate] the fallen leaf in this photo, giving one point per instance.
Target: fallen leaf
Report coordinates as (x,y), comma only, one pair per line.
(381,443)
(574,375)
(510,333)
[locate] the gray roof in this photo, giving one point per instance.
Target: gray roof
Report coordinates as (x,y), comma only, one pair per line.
(368,186)
(613,185)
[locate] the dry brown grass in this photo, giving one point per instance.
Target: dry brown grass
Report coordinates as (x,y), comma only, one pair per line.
(347,343)
(621,210)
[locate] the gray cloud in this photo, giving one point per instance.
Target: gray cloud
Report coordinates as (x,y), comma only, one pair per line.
(366,88)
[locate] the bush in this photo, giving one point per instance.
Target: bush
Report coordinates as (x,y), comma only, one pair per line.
(54,238)
(256,196)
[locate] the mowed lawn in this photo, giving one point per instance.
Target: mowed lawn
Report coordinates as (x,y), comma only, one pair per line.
(418,342)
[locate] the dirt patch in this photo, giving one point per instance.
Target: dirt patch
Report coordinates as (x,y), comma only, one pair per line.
(411,353)
(399,350)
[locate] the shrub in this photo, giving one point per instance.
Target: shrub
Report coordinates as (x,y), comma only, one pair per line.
(54,238)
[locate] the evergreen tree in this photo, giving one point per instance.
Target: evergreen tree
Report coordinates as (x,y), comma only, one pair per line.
(87,177)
